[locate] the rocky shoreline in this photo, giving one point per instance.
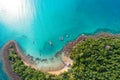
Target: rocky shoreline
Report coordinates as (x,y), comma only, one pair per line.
(83,37)
(27,61)
(6,62)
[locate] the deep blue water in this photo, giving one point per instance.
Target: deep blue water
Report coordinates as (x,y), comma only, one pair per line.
(33,23)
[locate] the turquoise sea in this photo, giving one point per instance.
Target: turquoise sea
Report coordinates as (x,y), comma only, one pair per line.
(36,23)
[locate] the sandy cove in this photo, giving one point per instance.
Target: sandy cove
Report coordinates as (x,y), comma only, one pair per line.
(27,62)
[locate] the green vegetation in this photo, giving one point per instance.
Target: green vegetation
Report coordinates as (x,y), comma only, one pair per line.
(94,59)
(97,59)
(25,72)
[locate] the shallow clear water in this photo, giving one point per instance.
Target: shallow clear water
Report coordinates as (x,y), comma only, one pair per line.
(34,23)
(3,75)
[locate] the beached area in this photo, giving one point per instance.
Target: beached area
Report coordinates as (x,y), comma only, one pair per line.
(28,61)
(65,53)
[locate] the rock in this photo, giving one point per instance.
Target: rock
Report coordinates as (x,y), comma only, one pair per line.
(61,38)
(38,59)
(68,64)
(107,47)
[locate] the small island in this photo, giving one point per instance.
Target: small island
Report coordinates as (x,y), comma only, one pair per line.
(95,57)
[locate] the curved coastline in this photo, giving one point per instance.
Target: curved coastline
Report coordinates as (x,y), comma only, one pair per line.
(26,60)
(65,51)
(83,37)
(6,63)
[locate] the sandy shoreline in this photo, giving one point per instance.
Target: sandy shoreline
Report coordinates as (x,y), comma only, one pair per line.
(27,62)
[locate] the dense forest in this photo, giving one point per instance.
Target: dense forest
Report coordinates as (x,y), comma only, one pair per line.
(93,59)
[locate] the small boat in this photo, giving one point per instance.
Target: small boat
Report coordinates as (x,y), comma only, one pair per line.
(83,34)
(67,36)
(50,43)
